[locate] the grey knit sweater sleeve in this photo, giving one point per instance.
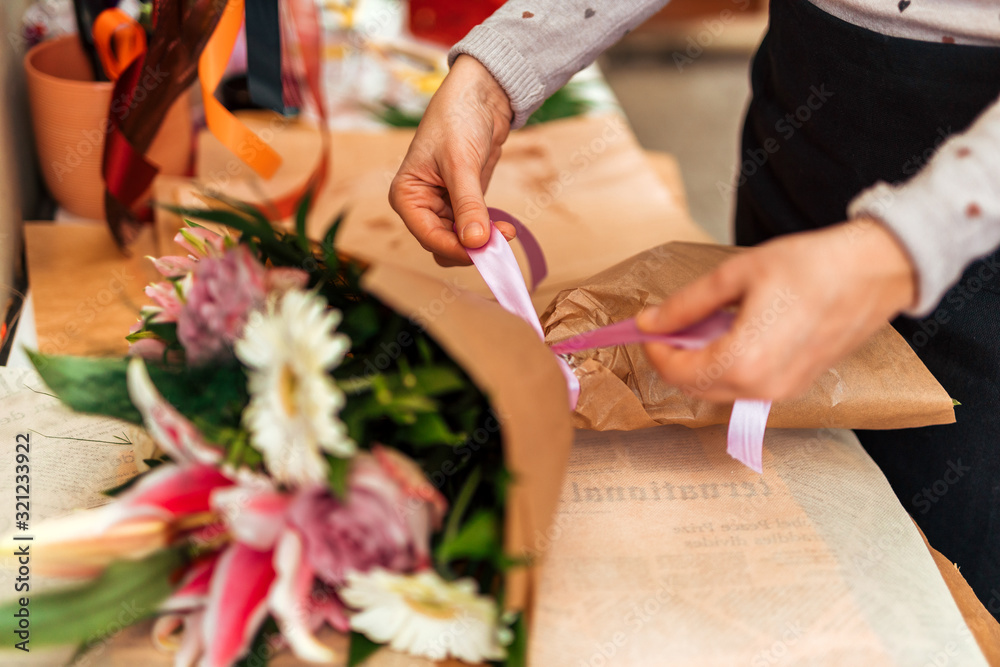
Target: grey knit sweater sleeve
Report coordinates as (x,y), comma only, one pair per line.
(948,215)
(533,47)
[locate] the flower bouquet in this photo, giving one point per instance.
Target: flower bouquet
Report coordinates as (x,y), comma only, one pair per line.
(326,458)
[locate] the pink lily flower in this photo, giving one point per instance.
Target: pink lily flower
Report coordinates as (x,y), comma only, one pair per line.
(268,551)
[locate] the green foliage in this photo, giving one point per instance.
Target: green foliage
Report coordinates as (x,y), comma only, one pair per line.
(88,385)
(517,652)
(564,103)
(337,476)
(125,593)
(478,538)
(361,649)
(261,647)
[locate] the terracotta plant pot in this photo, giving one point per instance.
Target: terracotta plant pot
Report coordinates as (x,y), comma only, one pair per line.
(69,111)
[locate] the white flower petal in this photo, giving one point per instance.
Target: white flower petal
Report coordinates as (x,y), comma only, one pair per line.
(424,615)
(292,417)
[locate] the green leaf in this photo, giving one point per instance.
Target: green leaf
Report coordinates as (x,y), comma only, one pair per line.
(517,652)
(121,488)
(337,477)
(361,649)
(88,384)
(166,331)
(330,237)
(301,217)
(478,539)
(260,649)
(125,593)
(361,323)
(395,117)
(430,428)
(564,103)
(458,507)
(219,401)
(223,217)
(954,403)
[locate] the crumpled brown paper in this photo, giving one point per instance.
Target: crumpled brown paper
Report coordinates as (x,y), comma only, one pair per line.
(882,385)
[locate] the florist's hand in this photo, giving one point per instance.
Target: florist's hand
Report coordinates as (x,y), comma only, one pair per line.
(805,301)
(440,185)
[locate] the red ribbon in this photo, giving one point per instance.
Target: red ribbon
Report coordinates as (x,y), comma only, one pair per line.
(127,172)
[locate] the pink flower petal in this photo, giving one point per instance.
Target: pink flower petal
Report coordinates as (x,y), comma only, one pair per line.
(193,591)
(175,266)
(164,295)
(255,514)
(193,642)
(200,242)
(169,428)
(236,603)
(289,600)
(167,492)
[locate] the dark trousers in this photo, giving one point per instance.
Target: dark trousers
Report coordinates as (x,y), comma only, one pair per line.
(836,108)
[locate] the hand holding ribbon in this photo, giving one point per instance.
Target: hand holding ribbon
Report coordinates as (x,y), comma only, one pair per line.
(498,266)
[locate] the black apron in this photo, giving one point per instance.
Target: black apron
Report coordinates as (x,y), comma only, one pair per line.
(836,108)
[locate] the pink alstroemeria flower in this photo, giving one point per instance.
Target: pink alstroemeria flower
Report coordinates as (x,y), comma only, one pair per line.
(224,291)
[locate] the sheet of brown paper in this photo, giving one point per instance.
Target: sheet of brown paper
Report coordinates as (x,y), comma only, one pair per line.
(882,385)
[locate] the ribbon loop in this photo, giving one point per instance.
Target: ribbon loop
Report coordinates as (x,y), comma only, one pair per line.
(233,134)
(496,263)
(119,40)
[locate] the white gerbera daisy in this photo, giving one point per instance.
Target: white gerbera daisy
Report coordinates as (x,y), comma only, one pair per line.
(424,615)
(294,403)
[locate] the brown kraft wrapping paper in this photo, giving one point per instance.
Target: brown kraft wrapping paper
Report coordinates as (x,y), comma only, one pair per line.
(511,365)
(882,385)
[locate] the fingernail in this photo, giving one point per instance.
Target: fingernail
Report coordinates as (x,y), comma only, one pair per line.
(471,231)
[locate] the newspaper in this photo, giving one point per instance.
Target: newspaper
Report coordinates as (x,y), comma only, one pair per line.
(666,551)
(72,458)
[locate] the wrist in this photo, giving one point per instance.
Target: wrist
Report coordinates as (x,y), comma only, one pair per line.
(472,74)
(878,248)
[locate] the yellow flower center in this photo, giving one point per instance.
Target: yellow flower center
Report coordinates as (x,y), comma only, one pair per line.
(288,385)
(428,604)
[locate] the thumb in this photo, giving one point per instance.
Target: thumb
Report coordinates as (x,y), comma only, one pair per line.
(472,220)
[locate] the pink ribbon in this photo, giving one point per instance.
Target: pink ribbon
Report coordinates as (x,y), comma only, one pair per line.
(498,266)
